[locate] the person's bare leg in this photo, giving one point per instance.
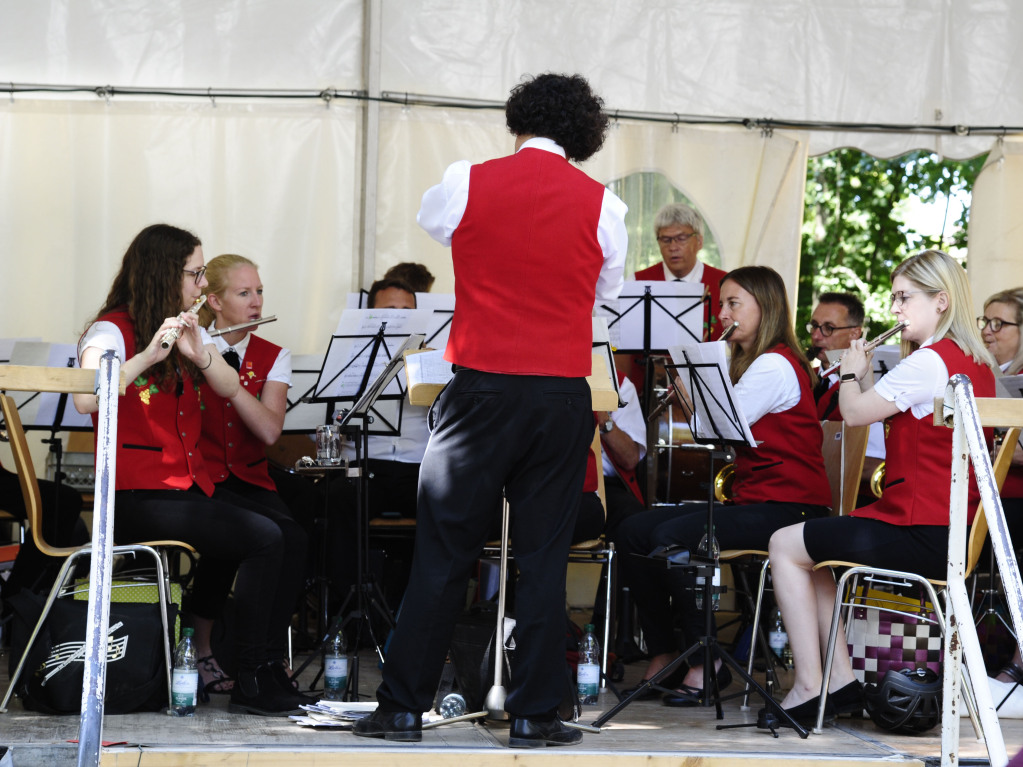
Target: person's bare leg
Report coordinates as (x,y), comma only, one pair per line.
(209,671)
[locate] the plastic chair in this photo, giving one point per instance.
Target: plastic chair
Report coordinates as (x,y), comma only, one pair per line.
(978,533)
(33,505)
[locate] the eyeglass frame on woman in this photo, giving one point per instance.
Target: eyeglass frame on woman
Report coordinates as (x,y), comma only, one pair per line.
(983,322)
(898,299)
(197,274)
(827,328)
(681,239)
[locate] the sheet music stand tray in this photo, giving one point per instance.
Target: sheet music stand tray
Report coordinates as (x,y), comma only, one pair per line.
(716,421)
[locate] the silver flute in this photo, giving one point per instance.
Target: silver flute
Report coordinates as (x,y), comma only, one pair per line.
(870,345)
(173,334)
(243,326)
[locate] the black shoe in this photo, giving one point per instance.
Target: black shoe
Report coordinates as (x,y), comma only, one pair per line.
(288,686)
(256,692)
(693,696)
(403,726)
(674,679)
(848,699)
(530,733)
(805,715)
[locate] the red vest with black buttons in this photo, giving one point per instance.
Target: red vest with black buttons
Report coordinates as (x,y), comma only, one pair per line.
(526,260)
(788,466)
(227,444)
(918,455)
(158,428)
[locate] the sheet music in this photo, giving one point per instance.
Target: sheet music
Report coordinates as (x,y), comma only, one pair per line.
(302,416)
(38,410)
(7,346)
(1009,386)
(711,394)
(602,345)
(676,315)
(885,358)
(428,368)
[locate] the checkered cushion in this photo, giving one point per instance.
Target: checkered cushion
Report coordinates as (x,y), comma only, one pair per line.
(881,639)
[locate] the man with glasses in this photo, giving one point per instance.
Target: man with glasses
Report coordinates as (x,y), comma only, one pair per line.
(836,321)
(680,237)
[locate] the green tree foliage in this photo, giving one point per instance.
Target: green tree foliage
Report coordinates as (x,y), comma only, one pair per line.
(855,226)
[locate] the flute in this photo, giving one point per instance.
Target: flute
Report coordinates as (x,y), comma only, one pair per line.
(663,403)
(173,334)
(243,326)
(870,345)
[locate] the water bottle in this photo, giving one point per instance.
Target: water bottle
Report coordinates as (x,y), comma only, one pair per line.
(778,638)
(335,668)
(588,675)
(185,679)
(709,549)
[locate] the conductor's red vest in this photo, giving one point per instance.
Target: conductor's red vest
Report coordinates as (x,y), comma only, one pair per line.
(529,229)
(788,466)
(918,455)
(227,444)
(158,428)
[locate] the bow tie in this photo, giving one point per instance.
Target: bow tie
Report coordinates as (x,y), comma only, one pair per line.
(231,358)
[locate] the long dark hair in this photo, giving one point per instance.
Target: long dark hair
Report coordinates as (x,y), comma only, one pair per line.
(768,289)
(149,286)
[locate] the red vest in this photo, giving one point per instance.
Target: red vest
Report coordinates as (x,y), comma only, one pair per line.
(157,429)
(628,475)
(526,260)
(827,405)
(789,465)
(227,444)
(711,279)
(918,455)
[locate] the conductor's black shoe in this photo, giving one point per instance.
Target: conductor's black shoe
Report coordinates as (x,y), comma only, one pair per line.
(530,733)
(848,699)
(693,696)
(256,692)
(402,726)
(805,715)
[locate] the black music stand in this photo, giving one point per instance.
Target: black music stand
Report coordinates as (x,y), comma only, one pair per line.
(365,593)
(717,422)
(650,317)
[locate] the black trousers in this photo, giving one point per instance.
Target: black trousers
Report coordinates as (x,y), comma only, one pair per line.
(254,543)
(528,435)
(657,591)
(62,526)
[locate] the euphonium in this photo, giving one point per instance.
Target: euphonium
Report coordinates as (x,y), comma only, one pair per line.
(723,483)
(877,480)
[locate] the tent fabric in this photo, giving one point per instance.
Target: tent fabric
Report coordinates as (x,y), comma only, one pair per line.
(78,181)
(281,180)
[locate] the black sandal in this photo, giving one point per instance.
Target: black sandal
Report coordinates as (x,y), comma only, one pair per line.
(220,683)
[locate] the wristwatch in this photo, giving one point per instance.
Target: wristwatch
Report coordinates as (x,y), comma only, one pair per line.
(608,426)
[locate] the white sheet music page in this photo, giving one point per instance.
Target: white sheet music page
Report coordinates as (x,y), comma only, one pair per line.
(711,393)
(676,314)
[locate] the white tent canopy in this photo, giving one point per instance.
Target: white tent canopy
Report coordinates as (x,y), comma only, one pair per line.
(323,194)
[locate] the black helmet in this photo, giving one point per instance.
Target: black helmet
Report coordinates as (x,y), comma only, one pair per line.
(907,700)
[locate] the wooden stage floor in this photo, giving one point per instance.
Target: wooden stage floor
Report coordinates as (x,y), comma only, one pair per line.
(646,733)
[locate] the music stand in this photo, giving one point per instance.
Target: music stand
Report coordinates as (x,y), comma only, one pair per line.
(716,420)
(649,317)
(366,592)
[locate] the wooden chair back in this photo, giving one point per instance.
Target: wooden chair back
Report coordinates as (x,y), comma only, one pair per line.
(978,530)
(27,478)
(844,448)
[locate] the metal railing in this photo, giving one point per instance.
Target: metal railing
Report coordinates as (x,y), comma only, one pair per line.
(969,446)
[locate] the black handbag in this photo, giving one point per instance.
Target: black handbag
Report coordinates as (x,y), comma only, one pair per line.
(51,682)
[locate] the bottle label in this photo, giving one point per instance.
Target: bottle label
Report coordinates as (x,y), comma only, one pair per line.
(184,687)
(588,679)
(777,640)
(335,675)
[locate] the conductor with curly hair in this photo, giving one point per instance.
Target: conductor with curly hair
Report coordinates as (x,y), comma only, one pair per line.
(533,241)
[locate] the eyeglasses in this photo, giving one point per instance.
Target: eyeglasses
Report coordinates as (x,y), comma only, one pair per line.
(681,239)
(900,298)
(198,273)
(994,322)
(827,328)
